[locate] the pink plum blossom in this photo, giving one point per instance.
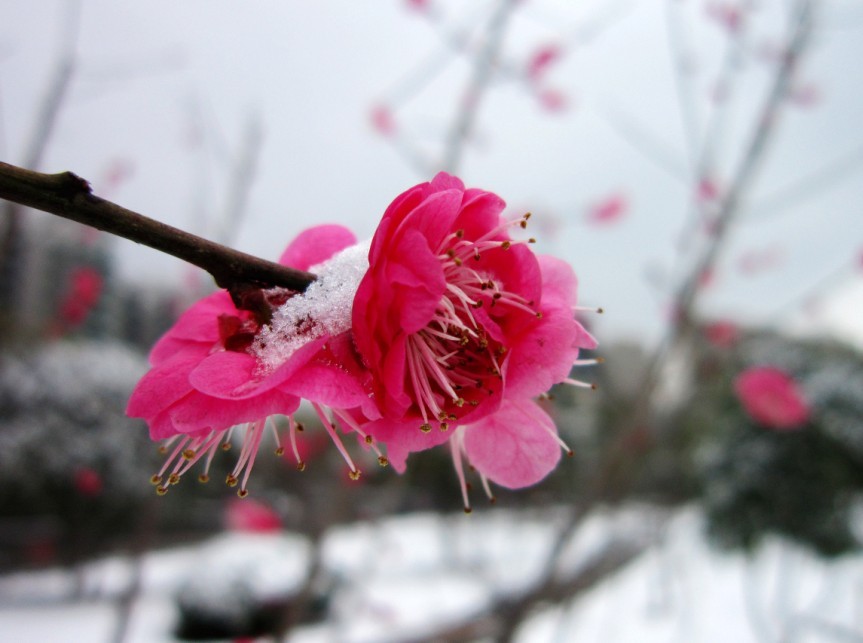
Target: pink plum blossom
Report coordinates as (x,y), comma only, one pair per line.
(772,398)
(722,333)
(541,60)
(460,326)
(205,378)
(608,210)
(84,290)
(251,516)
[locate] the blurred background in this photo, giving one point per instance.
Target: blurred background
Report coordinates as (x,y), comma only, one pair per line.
(698,162)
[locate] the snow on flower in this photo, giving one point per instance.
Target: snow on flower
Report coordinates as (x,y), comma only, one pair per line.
(460,327)
(211,371)
(772,398)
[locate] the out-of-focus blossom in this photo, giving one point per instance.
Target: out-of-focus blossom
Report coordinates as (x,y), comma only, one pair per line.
(541,61)
(722,334)
(552,100)
(708,190)
(82,295)
(382,120)
(609,210)
(87,482)
(419,5)
(772,398)
(805,95)
(753,262)
(729,15)
(251,516)
(459,326)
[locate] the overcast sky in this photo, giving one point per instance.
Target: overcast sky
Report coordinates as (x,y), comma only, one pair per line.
(169,89)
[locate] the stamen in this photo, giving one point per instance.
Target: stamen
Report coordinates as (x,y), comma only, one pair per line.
(292,434)
(330,428)
(455,448)
(579,383)
(587,309)
(487,489)
(588,362)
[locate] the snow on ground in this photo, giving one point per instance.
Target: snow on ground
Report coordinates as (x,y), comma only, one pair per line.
(406,576)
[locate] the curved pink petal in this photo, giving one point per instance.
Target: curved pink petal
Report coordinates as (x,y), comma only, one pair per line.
(231,375)
(545,355)
(197,411)
(316,245)
(559,283)
(402,439)
(162,385)
(516,446)
(198,325)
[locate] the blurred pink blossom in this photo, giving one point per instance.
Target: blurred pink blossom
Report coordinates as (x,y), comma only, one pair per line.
(82,295)
(753,262)
(772,398)
(251,516)
(609,210)
(729,15)
(541,60)
(552,100)
(88,482)
(383,121)
(722,334)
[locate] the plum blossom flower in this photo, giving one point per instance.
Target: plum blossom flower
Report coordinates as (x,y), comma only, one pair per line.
(206,378)
(772,398)
(460,326)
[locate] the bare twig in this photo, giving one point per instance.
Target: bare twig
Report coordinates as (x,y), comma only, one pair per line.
(501,620)
(69,196)
(483,67)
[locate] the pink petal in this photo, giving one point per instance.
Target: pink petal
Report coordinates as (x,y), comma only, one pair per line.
(234,376)
(418,282)
(515,447)
(545,356)
(316,245)
(402,439)
(198,325)
(198,412)
(162,385)
(559,283)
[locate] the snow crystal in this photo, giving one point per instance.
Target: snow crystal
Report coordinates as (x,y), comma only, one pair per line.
(323,309)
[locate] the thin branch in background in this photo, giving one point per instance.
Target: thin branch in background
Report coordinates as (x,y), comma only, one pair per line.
(241,180)
(48,110)
(807,187)
(486,58)
(646,143)
(705,150)
(680,56)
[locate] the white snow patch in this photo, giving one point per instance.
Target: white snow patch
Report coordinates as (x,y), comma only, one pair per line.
(323,309)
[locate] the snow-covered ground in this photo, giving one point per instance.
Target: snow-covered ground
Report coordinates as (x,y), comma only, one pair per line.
(404,577)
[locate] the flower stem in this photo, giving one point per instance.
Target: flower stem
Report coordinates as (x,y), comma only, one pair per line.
(69,196)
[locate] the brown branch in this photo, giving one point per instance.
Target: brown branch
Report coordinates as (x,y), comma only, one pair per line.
(69,196)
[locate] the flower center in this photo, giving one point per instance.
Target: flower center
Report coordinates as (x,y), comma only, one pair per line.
(454,363)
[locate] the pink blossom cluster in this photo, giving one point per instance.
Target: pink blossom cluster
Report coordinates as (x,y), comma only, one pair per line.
(444,329)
